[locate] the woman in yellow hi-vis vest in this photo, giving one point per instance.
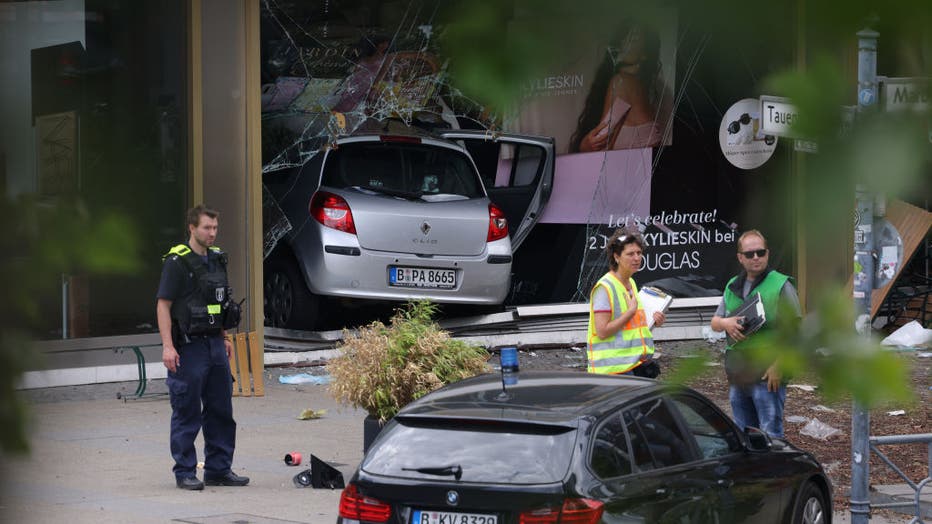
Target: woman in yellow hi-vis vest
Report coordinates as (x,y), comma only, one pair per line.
(618,336)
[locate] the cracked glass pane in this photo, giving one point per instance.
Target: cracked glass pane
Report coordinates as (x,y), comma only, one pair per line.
(332,67)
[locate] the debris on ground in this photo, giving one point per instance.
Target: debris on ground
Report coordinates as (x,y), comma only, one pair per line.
(819,430)
(304,378)
(310,414)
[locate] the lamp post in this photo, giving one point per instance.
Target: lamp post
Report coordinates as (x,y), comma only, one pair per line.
(863,286)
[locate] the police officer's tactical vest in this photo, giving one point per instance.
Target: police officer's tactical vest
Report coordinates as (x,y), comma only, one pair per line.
(738,366)
(204,309)
(626,349)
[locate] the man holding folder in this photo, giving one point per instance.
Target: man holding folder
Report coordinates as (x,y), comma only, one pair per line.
(756,392)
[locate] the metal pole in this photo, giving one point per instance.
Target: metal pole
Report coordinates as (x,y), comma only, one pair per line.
(64,306)
(863,286)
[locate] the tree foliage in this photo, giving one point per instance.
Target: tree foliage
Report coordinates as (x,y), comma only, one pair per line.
(41,241)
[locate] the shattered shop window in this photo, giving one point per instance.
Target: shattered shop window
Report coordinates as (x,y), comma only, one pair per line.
(329,68)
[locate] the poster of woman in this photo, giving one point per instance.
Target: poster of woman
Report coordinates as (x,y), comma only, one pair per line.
(609,107)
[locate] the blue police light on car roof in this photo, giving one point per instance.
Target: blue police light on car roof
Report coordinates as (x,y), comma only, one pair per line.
(508,357)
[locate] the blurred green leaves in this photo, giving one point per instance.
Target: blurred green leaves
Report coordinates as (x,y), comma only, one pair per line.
(42,240)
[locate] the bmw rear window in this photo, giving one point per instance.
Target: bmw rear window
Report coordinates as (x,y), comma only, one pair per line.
(485,451)
(428,171)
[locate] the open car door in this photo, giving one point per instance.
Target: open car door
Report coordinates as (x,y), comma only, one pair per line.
(517,171)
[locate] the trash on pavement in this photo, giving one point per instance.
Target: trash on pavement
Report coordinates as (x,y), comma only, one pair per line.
(310,414)
(711,335)
(304,378)
(293,458)
(303,479)
(819,430)
(911,335)
(320,475)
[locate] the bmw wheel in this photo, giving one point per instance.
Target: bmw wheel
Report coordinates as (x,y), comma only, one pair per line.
(811,506)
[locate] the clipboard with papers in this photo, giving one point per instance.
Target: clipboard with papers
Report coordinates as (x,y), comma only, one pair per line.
(653,299)
(753,312)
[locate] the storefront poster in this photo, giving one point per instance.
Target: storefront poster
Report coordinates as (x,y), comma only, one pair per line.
(608,107)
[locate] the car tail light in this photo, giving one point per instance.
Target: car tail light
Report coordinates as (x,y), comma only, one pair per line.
(573,511)
(498,224)
(355,506)
(332,211)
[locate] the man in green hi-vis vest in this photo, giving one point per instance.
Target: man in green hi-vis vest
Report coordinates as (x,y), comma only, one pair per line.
(757,392)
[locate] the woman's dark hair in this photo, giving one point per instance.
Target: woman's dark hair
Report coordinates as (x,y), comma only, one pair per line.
(647,73)
(617,242)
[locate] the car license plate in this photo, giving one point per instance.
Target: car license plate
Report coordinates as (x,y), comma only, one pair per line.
(446,517)
(421,277)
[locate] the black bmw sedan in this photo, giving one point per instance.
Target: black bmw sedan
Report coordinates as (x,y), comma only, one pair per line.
(569,447)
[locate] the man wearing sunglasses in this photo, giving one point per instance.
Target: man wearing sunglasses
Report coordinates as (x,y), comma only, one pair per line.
(756,391)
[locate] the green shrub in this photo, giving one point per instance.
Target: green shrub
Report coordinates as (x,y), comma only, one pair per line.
(382,368)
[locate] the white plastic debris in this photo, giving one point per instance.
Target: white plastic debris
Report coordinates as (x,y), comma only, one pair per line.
(896,413)
(819,430)
(796,419)
(820,407)
(804,387)
(304,378)
(712,336)
(911,335)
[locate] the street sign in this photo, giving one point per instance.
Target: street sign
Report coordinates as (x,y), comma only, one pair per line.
(778,116)
(901,94)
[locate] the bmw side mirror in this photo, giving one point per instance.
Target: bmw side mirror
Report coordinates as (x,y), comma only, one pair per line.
(757,440)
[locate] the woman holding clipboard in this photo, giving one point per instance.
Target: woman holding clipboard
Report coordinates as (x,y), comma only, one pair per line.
(619,336)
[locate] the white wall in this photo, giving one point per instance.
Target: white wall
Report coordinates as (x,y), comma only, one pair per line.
(25,26)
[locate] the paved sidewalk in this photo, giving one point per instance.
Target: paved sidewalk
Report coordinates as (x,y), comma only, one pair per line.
(104,460)
(97,459)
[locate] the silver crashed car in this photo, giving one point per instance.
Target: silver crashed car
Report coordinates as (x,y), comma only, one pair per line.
(402,216)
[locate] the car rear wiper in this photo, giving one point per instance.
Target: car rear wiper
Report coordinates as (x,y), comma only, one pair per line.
(410,195)
(454,470)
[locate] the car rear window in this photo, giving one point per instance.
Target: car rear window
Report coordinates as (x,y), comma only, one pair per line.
(401,167)
(486,451)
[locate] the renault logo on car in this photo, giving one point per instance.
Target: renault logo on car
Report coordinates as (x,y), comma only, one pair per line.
(453,498)
(425,228)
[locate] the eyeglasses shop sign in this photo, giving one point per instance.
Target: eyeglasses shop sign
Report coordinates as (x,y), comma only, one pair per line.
(778,116)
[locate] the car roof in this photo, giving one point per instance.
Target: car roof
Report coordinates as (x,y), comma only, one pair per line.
(389,127)
(548,397)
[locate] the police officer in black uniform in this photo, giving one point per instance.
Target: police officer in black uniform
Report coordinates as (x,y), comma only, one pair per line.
(194,309)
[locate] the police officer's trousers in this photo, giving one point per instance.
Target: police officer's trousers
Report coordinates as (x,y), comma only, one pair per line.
(201,396)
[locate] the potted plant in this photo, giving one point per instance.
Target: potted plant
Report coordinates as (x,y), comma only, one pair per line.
(382,368)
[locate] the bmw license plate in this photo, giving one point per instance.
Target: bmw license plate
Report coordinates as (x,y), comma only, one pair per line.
(421,277)
(446,517)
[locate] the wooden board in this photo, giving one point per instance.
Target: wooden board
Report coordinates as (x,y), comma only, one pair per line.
(912,223)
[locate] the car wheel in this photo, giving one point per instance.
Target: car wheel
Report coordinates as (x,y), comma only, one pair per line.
(288,302)
(810,506)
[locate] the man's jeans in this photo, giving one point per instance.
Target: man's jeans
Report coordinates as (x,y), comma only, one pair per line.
(754,406)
